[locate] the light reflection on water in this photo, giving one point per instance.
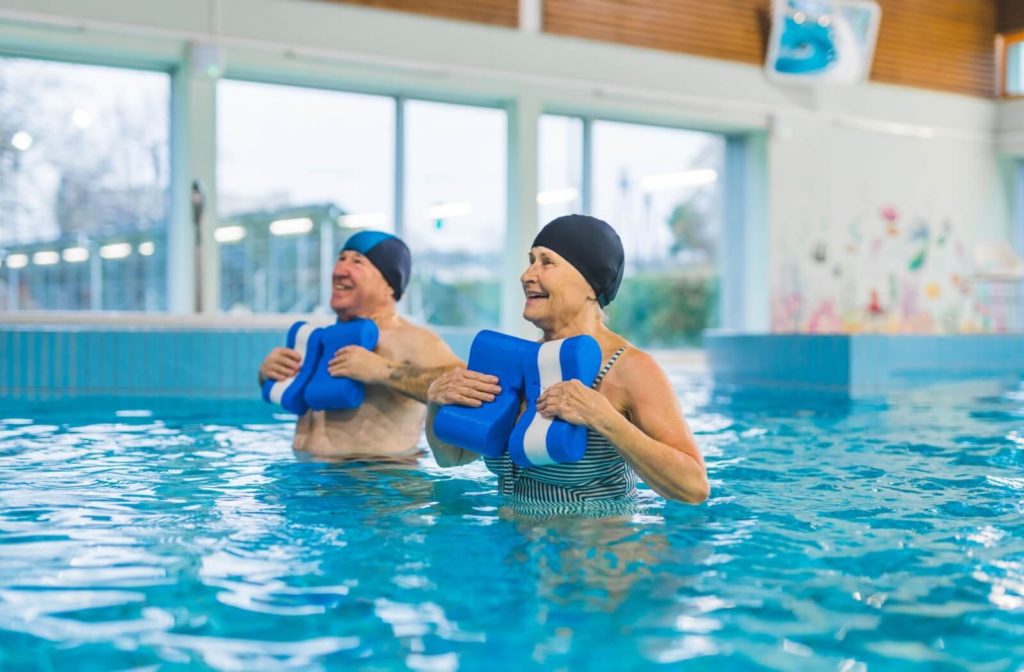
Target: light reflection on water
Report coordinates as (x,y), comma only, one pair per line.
(840,535)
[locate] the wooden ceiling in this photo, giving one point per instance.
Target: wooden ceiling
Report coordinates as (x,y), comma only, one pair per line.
(945,45)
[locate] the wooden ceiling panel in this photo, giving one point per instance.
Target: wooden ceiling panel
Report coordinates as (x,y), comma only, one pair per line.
(946,45)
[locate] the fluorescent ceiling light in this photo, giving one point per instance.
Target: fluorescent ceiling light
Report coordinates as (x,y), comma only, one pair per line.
(563,195)
(229,234)
(291,227)
(17,261)
(22,141)
(46,258)
(81,118)
(359,220)
(116,251)
(448,210)
(686,178)
(147,248)
(73,255)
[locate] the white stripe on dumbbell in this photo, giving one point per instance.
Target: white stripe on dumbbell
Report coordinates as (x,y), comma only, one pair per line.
(278,389)
(535,440)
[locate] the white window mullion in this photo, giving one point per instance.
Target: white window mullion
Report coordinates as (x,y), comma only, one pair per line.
(521,227)
(193,158)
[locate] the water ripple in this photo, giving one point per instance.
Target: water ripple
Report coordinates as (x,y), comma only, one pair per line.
(845,536)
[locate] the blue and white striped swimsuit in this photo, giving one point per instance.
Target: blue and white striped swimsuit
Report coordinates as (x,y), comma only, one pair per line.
(602,474)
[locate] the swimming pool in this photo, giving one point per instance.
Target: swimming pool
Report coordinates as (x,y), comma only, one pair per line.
(882,534)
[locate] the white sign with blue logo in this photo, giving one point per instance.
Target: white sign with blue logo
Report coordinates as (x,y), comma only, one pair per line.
(822,40)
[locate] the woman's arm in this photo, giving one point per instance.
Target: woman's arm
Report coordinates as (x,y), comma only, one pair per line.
(652,436)
(463,388)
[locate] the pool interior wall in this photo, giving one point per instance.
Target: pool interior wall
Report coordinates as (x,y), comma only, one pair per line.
(859,365)
(219,360)
(39,362)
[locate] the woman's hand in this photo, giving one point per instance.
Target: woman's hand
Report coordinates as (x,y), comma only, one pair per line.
(463,387)
(576,403)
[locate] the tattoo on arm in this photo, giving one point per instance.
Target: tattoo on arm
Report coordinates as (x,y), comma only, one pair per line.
(414,381)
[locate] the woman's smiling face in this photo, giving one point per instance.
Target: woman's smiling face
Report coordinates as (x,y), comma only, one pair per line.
(555,291)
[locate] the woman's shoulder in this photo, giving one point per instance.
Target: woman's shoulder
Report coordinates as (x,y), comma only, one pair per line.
(634,365)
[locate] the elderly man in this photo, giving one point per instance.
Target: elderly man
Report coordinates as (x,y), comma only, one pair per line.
(369,277)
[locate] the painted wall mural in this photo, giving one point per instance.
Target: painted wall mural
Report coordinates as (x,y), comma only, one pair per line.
(887,271)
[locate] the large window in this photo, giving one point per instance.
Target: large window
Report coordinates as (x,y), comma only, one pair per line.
(1012,64)
(84,182)
(455,159)
(660,188)
(84,176)
(301,169)
(297,171)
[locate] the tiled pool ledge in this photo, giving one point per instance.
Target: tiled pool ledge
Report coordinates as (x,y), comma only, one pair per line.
(144,356)
(860,364)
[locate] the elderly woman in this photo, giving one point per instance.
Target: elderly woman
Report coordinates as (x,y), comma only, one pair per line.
(635,425)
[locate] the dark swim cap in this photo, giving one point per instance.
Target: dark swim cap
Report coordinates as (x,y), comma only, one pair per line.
(592,247)
(388,253)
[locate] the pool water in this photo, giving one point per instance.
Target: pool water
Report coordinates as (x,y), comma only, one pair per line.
(876,534)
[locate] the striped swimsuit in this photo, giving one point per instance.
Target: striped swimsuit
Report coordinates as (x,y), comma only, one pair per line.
(602,474)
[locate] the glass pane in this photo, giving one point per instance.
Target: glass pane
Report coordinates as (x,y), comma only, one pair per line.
(297,171)
(561,167)
(84,176)
(455,212)
(660,189)
(1015,69)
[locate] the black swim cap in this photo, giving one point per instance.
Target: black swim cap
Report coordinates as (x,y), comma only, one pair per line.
(592,247)
(388,253)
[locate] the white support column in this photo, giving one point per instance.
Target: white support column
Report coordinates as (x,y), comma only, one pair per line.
(744,264)
(523,121)
(193,157)
(531,16)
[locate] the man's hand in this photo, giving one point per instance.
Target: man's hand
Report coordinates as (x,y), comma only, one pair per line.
(280,364)
(463,388)
(360,364)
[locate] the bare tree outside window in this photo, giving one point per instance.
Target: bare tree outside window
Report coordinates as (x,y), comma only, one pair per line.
(84,178)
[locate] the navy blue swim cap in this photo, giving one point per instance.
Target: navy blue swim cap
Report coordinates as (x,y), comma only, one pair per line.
(592,247)
(388,253)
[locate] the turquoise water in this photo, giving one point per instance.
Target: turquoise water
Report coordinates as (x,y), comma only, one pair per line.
(880,534)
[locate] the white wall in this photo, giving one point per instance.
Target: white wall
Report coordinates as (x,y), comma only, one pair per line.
(858,213)
(833,155)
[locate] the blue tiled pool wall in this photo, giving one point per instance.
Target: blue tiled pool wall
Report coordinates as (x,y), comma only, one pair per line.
(789,359)
(860,363)
(55,361)
(46,363)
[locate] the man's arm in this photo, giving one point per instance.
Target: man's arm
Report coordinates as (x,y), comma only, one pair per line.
(462,388)
(427,357)
(414,381)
